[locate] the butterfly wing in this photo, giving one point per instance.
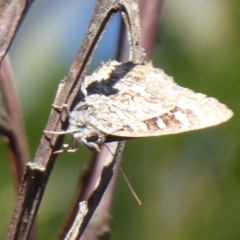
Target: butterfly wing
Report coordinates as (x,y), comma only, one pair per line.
(140,100)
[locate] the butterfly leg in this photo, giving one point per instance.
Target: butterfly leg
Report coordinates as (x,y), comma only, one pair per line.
(90,145)
(66,148)
(63,107)
(84,90)
(93,140)
(60,132)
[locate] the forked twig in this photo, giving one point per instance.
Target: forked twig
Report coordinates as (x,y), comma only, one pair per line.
(67,92)
(86,209)
(133,24)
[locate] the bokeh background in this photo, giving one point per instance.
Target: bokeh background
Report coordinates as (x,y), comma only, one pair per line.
(189,183)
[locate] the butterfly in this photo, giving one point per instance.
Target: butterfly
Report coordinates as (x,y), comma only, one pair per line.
(127,100)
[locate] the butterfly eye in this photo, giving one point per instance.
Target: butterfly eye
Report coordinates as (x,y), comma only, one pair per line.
(86,107)
(82,107)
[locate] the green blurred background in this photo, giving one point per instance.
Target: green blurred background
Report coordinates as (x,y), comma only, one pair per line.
(189,183)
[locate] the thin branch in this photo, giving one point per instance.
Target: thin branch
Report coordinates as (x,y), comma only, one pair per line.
(150,14)
(29,188)
(15,132)
(85,187)
(5,129)
(130,14)
(100,223)
(86,209)
(12,13)
(121,39)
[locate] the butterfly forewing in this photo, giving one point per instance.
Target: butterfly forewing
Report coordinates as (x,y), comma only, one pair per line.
(139,100)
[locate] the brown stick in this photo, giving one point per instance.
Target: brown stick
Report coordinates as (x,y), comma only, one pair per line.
(86,209)
(12,13)
(16,136)
(130,14)
(150,14)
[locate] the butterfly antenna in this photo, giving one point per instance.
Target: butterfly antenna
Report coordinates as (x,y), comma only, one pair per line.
(135,196)
(127,182)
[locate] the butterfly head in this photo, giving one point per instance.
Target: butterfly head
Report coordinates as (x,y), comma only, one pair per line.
(83,129)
